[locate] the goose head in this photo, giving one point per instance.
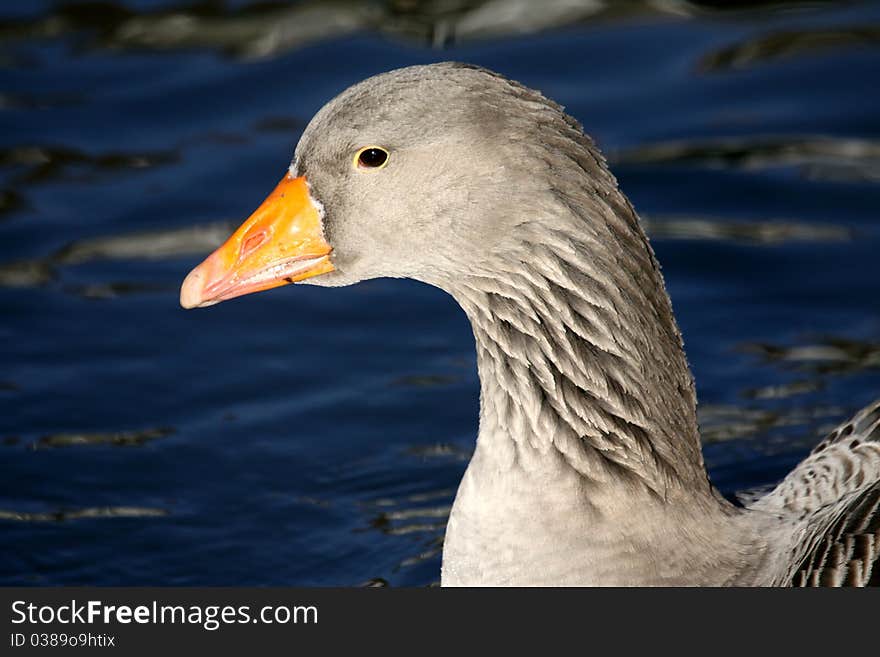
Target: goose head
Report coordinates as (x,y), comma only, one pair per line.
(425,173)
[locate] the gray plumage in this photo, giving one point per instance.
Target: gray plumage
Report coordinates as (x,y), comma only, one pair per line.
(588,466)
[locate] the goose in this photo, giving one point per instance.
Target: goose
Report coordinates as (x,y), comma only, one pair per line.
(588,467)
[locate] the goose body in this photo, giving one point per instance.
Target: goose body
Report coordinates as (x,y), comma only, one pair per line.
(588,467)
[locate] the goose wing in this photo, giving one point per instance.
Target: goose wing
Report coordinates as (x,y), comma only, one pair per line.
(831,502)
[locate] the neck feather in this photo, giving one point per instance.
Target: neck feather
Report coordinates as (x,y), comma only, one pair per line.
(578,351)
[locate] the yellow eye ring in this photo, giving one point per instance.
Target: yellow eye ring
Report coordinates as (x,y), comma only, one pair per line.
(371,157)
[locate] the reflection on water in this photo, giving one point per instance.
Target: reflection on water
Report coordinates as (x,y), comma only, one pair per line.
(816,158)
(719,423)
(117,438)
(783,391)
(833,355)
(80,514)
(26,273)
(270,28)
(29,165)
(784,45)
(756,232)
(310,436)
(420,519)
(151,245)
(35,164)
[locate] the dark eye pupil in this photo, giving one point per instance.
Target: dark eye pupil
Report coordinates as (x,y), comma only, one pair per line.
(372,157)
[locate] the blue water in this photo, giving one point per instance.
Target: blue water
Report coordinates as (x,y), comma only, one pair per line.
(316,436)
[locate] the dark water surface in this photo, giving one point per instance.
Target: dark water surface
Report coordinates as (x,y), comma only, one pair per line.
(316,436)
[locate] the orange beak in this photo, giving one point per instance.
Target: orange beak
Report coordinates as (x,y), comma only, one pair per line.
(282,242)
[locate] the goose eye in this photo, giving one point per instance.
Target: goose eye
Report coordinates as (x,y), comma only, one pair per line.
(371,157)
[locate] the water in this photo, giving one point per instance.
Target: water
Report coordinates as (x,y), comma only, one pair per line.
(316,436)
